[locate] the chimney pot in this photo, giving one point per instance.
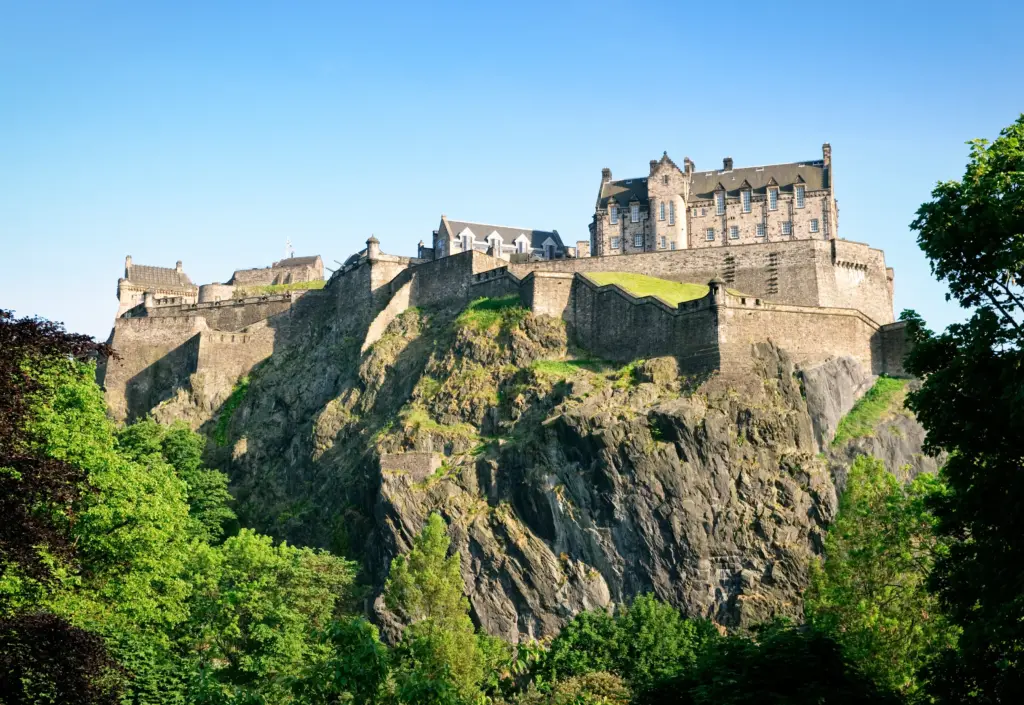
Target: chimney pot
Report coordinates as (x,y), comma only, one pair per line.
(727,164)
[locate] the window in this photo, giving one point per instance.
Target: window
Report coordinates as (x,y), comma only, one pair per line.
(703,211)
(773,199)
(521,246)
(799,196)
(746,200)
(634,213)
(787,227)
(734,232)
(615,243)
(814,225)
(709,234)
(720,202)
(638,240)
(662,245)
(673,246)
(661,212)
(467,242)
(671,213)
(614,214)
(664,179)
(760,229)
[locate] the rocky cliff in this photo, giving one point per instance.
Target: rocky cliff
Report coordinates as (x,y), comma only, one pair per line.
(567,482)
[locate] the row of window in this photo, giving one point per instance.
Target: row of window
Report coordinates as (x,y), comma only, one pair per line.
(671,212)
(638,242)
(734,231)
(746,198)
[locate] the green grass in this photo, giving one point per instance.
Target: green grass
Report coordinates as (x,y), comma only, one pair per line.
(242,291)
(220,434)
(567,368)
(869,409)
(670,292)
(418,418)
(485,313)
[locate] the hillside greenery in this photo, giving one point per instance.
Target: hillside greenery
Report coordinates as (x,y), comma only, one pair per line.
(671,292)
(242,292)
(885,396)
(126,577)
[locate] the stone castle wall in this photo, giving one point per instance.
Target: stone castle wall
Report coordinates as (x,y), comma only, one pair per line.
(831,273)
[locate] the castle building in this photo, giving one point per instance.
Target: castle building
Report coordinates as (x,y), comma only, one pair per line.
(160,284)
(673,208)
(292,270)
(454,236)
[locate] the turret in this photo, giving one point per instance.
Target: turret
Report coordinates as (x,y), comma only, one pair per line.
(372,248)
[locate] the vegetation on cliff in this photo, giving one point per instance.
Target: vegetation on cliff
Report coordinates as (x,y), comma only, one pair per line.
(126,576)
(886,395)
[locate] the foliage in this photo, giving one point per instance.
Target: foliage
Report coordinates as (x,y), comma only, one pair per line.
(588,689)
(645,643)
(220,433)
(871,594)
(780,665)
(357,666)
(671,292)
(255,607)
(885,395)
(440,655)
(485,313)
(182,449)
(971,404)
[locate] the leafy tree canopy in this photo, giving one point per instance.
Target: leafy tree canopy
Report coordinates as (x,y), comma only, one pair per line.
(972,404)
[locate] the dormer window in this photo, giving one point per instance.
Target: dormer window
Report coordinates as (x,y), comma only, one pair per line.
(614,214)
(773,199)
(720,202)
(467,242)
(634,213)
(799,196)
(745,195)
(661,211)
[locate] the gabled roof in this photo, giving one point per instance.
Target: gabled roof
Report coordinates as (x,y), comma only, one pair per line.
(704,183)
(622,192)
(158,277)
(508,235)
(297,262)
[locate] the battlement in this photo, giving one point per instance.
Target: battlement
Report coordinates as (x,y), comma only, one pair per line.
(816,299)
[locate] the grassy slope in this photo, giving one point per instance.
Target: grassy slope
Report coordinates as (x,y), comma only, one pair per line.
(642,285)
(884,397)
(243,291)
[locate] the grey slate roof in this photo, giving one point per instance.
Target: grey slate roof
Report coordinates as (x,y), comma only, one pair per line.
(161,277)
(297,262)
(624,191)
(482,230)
(704,183)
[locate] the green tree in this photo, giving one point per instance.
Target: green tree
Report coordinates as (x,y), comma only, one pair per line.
(871,594)
(356,668)
(182,448)
(779,665)
(644,643)
(970,403)
(255,611)
(441,656)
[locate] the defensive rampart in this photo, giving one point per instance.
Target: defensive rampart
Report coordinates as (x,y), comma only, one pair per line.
(833,273)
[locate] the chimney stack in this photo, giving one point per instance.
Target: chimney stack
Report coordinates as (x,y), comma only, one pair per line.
(654,165)
(727,164)
(826,153)
(177,266)
(606,175)
(687,165)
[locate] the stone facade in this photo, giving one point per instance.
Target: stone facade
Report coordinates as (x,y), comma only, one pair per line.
(162,284)
(673,208)
(292,270)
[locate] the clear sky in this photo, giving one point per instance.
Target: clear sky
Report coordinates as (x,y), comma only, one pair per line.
(212,132)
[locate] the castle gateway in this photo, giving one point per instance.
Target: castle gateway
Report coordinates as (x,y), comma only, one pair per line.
(678,209)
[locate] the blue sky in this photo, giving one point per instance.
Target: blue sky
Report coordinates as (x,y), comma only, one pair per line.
(212,132)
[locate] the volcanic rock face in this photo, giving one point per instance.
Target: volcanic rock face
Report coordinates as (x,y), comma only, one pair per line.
(567,483)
